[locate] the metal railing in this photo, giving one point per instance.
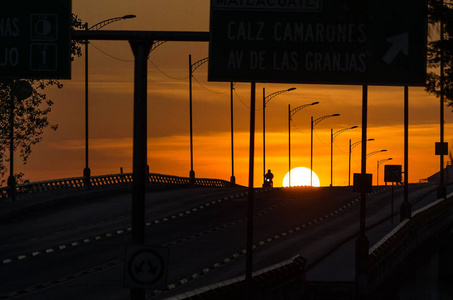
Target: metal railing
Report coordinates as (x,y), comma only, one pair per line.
(157,180)
(390,252)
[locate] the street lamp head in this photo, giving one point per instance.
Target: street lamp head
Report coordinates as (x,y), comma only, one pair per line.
(390,158)
(383,150)
(370,140)
(354,127)
(291,89)
(128,16)
(335,115)
(314,103)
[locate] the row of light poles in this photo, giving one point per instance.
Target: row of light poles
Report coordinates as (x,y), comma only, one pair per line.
(266,99)
(192,68)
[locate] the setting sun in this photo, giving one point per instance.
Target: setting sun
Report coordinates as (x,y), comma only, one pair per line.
(300,177)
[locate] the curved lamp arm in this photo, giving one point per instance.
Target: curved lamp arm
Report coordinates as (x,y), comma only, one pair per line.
(335,134)
(104,23)
(293,111)
(274,94)
(358,142)
(197,64)
(374,152)
(323,118)
(384,160)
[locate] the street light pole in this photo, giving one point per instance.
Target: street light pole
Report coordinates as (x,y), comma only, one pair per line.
(265,100)
(97,26)
(311,152)
(232,179)
(290,114)
(332,138)
(379,162)
(192,68)
(313,123)
(191,172)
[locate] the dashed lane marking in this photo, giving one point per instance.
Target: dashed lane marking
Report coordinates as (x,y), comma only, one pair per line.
(106,235)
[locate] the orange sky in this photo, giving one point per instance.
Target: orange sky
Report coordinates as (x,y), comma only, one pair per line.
(61,154)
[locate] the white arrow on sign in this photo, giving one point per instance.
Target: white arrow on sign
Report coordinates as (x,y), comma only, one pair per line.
(400,44)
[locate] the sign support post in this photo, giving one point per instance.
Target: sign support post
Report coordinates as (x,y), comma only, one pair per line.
(362,243)
(141,51)
(406,210)
(249,256)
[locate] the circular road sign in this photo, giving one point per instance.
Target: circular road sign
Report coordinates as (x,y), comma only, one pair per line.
(146,266)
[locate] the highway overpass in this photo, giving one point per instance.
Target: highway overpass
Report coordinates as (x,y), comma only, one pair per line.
(71,244)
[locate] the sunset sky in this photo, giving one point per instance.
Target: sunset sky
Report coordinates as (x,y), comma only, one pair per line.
(61,154)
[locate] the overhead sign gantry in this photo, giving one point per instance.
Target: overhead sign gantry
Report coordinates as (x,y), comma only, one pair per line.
(319,41)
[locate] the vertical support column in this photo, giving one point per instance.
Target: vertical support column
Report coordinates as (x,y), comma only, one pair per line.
(362,243)
(249,256)
(311,152)
(377,172)
(86,170)
(406,210)
(289,145)
(331,156)
(264,136)
(349,172)
(192,172)
(232,179)
(141,52)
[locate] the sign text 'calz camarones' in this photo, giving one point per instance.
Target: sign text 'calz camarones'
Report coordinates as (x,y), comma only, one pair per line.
(331,43)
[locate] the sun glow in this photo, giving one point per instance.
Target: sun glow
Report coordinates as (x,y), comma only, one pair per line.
(300,177)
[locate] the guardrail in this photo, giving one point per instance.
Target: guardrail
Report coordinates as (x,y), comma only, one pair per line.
(154,180)
(391,251)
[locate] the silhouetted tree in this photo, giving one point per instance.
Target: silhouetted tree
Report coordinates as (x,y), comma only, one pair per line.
(30,114)
(441,11)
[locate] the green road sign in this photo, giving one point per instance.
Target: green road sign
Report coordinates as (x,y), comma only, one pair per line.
(319,41)
(35,39)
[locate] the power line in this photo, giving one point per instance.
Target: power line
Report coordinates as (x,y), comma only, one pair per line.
(243,103)
(297,128)
(240,99)
(336,146)
(165,74)
(319,137)
(130,60)
(109,55)
(214,92)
